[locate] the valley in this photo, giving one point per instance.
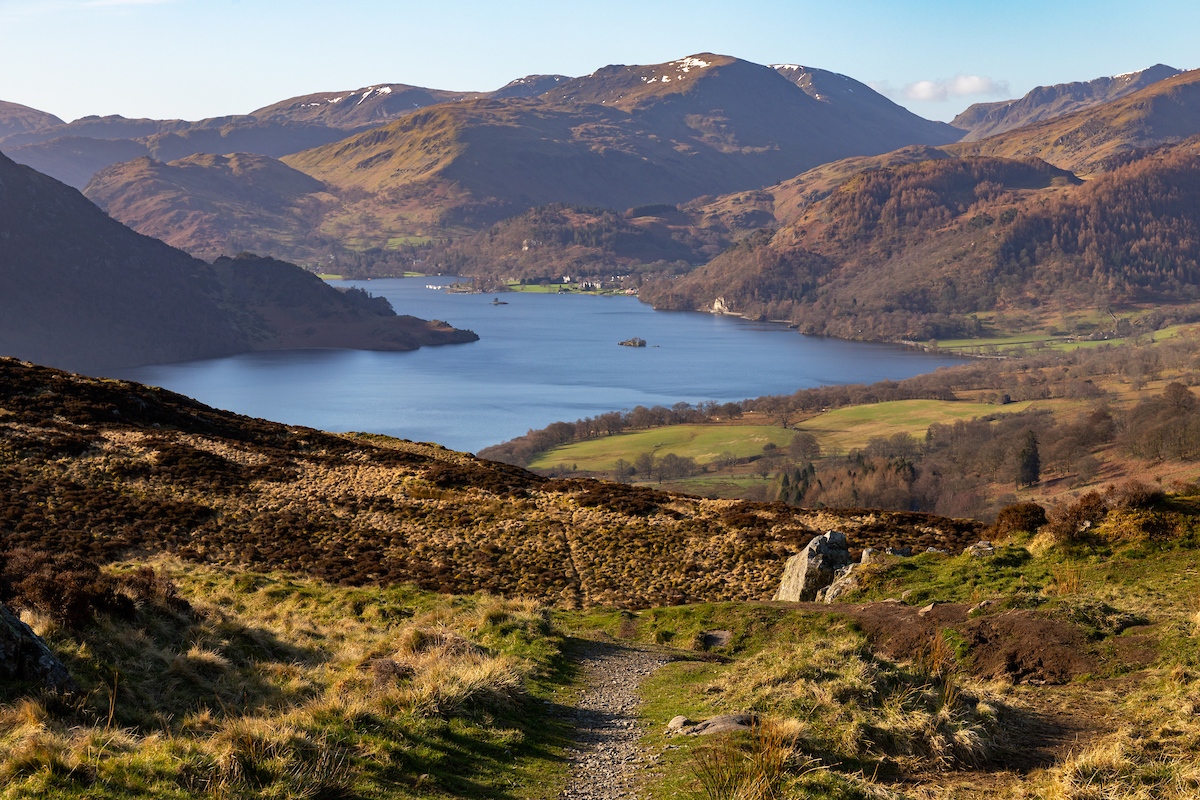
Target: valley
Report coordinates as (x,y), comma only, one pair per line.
(705,428)
(229,658)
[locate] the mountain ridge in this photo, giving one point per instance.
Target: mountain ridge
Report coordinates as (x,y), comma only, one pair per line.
(1083,141)
(619,138)
(1046,102)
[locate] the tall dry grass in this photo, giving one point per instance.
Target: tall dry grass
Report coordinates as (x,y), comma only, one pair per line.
(268,688)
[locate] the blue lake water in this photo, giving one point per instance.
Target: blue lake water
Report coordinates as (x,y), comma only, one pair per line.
(540,358)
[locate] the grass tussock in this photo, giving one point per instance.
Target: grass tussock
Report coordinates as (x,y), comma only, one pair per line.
(1152,756)
(846,703)
(268,687)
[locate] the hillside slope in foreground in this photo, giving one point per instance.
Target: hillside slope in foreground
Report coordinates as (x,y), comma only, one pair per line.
(107,469)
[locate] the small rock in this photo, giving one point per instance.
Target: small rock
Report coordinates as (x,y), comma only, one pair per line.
(869,555)
(678,723)
(937,550)
(983,607)
(847,581)
(980,549)
(927,610)
(907,593)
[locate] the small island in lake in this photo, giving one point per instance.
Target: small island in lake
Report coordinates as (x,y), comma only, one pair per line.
(634,342)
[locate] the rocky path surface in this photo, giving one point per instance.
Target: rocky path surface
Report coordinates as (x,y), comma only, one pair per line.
(606,760)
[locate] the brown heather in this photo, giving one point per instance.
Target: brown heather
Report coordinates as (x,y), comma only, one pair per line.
(107,470)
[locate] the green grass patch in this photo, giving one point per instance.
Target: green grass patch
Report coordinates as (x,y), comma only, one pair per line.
(396,242)
(705,443)
(844,429)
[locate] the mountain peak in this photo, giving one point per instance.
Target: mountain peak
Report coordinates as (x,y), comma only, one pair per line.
(529,86)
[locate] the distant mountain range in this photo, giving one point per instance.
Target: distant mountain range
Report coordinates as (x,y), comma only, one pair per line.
(1046,102)
(781,191)
(84,292)
(1083,141)
(622,137)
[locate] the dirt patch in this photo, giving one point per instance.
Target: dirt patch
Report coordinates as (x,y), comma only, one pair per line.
(1026,648)
(1020,646)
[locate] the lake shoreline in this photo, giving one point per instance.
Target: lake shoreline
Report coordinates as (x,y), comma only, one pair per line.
(538,360)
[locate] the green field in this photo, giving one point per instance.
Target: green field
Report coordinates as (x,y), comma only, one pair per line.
(838,431)
(701,442)
(844,429)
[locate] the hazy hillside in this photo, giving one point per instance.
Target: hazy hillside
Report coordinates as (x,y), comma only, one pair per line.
(619,138)
(16,118)
(550,241)
(84,291)
(1046,102)
(75,159)
(211,205)
(73,152)
(82,150)
(1164,112)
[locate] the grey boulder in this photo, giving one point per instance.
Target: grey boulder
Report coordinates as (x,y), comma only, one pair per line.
(814,568)
(25,658)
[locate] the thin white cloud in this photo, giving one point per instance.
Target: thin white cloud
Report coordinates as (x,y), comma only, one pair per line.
(883,87)
(958,86)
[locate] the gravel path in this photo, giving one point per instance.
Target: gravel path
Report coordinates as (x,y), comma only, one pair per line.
(606,760)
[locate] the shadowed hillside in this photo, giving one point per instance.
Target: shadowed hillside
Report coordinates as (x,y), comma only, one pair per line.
(84,291)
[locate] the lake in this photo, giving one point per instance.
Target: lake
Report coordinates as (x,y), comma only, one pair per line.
(540,358)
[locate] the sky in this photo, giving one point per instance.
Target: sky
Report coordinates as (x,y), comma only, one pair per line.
(192,59)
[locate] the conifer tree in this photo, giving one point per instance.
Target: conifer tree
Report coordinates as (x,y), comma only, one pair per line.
(1029,462)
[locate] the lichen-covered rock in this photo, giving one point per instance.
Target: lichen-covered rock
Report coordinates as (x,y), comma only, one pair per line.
(25,658)
(814,568)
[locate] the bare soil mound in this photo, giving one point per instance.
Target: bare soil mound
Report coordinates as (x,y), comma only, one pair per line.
(1021,646)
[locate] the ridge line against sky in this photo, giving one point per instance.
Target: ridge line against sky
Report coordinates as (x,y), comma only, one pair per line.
(193,59)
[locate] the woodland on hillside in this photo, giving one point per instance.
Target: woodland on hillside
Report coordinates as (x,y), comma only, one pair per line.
(560,239)
(912,252)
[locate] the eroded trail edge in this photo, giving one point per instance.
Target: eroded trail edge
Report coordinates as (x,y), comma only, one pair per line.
(606,760)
